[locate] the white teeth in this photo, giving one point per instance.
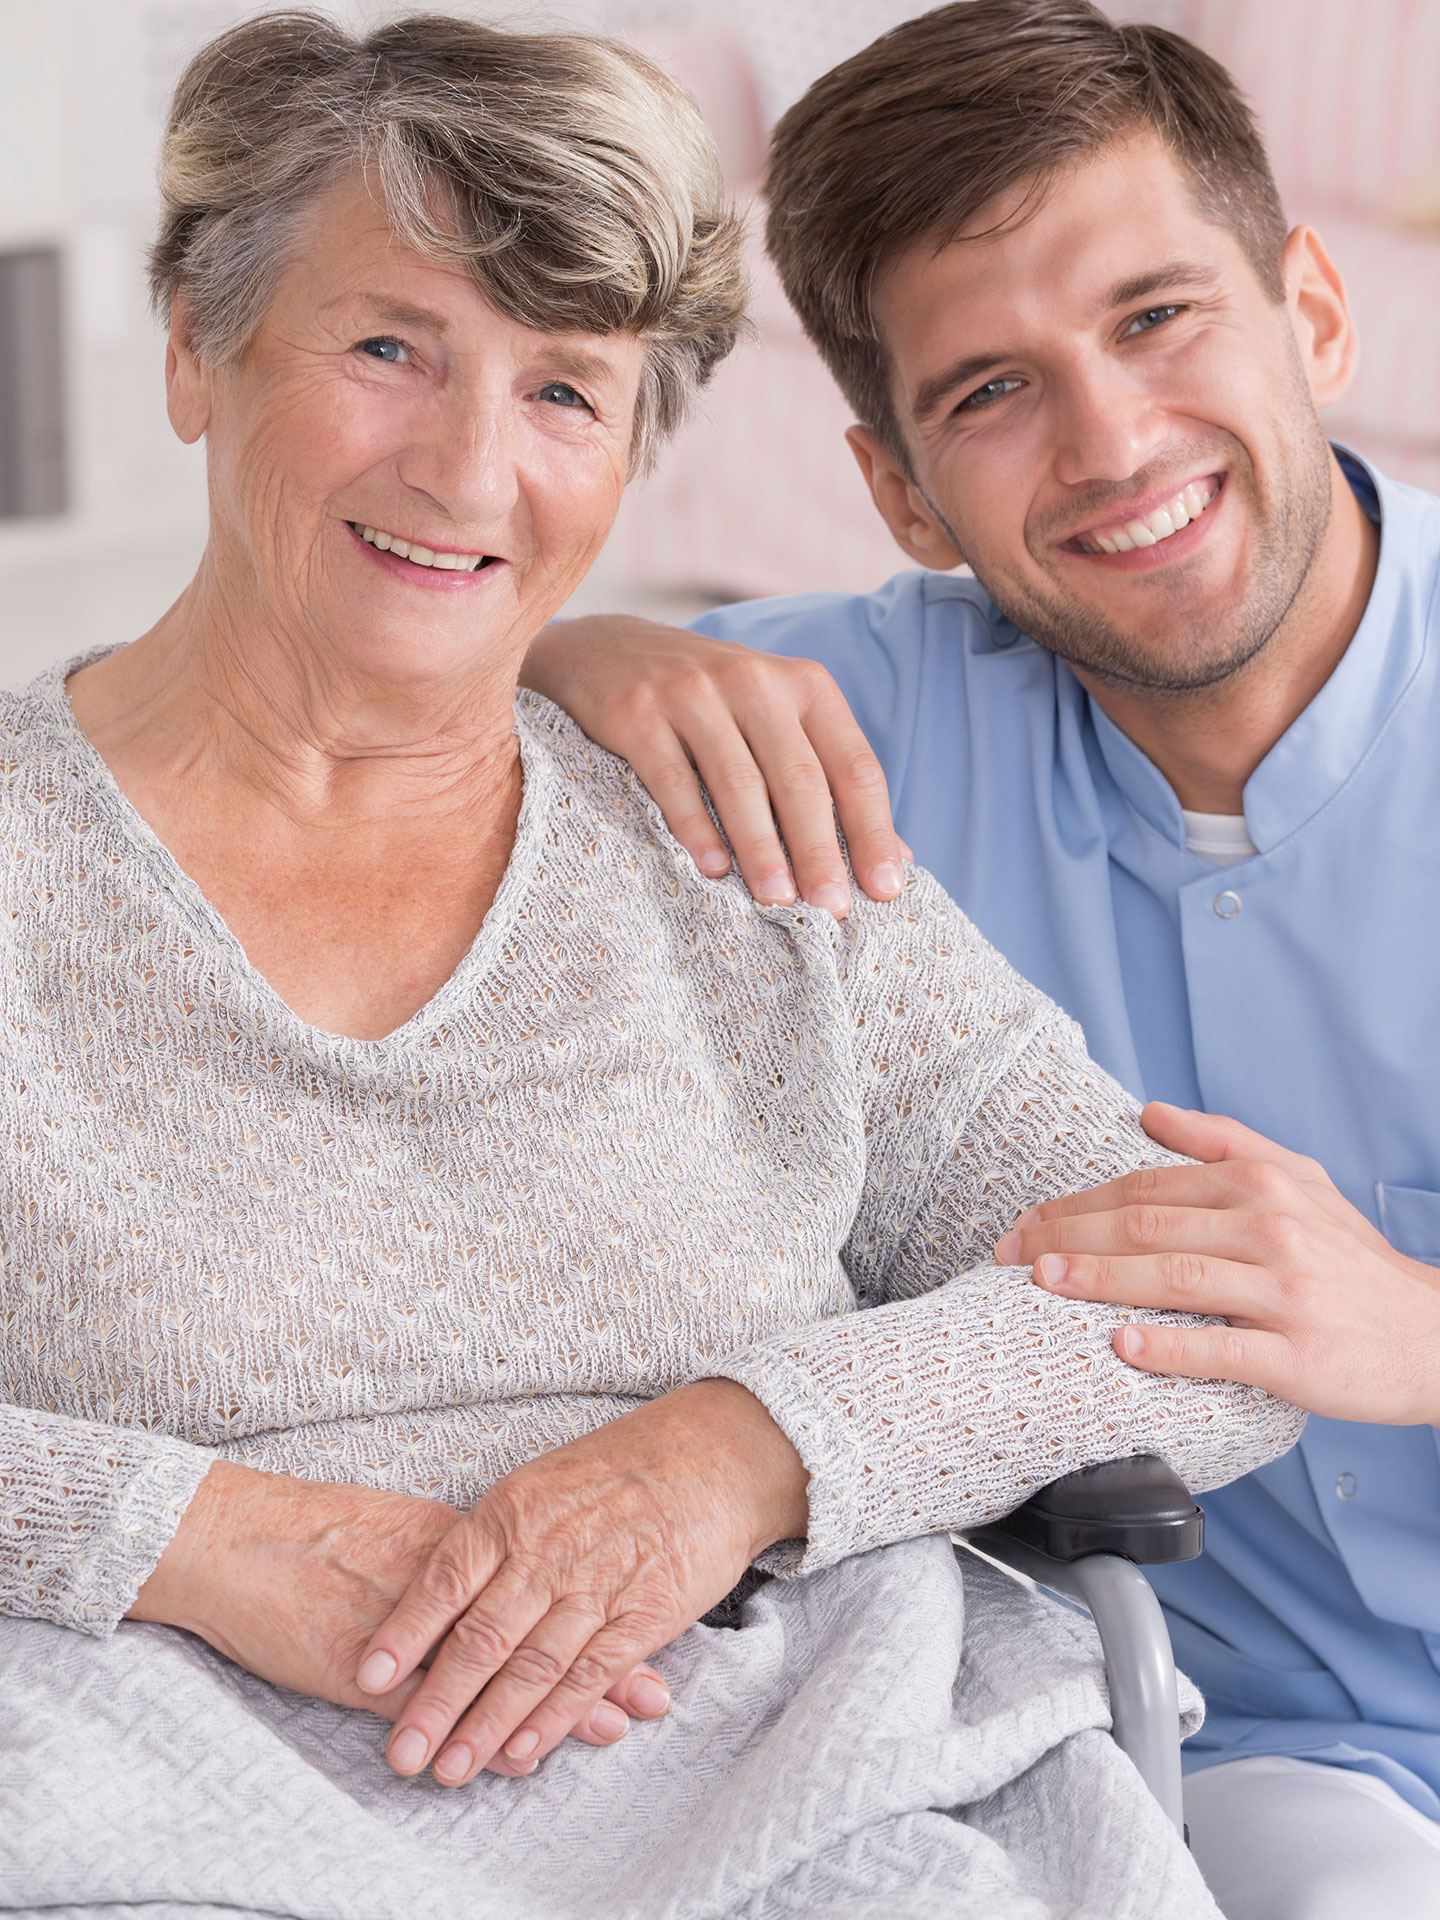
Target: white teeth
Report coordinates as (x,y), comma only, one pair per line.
(420,556)
(1187,505)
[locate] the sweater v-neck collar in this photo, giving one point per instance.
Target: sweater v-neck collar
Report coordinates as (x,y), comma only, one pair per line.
(205,921)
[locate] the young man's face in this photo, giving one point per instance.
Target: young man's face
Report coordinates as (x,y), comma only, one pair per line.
(1116,422)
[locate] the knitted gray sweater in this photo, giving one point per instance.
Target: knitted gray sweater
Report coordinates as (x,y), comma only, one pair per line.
(647,1131)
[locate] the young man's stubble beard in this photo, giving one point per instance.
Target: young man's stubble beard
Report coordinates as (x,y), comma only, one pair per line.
(1204,654)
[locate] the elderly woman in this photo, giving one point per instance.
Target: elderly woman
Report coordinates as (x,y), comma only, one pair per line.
(434,1217)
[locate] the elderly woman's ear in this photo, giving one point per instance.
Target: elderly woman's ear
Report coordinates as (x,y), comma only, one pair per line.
(187,379)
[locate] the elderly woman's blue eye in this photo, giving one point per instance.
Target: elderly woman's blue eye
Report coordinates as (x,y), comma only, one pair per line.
(560,395)
(394,352)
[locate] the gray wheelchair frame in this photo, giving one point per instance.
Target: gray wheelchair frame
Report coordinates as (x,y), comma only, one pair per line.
(1087,1536)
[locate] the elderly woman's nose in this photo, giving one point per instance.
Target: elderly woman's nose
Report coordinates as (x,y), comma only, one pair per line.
(468,463)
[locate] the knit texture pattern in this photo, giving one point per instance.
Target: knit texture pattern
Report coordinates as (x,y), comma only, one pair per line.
(648,1131)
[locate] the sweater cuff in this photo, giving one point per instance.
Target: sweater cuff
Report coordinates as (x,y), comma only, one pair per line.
(85,1514)
(830,1449)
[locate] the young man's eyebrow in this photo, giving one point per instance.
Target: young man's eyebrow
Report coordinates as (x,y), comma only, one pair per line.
(932,393)
(1170,274)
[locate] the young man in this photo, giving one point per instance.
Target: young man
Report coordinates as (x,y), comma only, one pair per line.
(1173,748)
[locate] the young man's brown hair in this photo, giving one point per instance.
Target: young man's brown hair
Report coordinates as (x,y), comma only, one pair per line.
(917,135)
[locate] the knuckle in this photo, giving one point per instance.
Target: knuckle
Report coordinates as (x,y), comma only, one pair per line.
(536,1667)
(1284,1237)
(738,774)
(745,673)
(590,1673)
(1142,1184)
(447,1581)
(863,775)
(802,774)
(1183,1275)
(1271,1186)
(1229,1347)
(478,1642)
(1140,1226)
(637,706)
(810,680)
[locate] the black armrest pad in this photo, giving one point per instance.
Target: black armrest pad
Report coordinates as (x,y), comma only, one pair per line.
(1135,1507)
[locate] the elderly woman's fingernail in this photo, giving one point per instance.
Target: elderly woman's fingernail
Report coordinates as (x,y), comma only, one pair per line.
(377,1672)
(714,862)
(1131,1342)
(648,1696)
(521,1745)
(774,890)
(831,897)
(1007,1249)
(607,1722)
(408,1750)
(887,878)
(1051,1269)
(455,1762)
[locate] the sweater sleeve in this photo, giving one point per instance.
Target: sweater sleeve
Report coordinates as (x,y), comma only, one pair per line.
(85,1514)
(961,1387)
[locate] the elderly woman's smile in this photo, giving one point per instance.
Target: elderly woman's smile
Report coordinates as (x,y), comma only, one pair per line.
(389,436)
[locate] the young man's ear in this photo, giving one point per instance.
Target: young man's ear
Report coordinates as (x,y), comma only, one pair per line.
(187,380)
(1320,315)
(902,505)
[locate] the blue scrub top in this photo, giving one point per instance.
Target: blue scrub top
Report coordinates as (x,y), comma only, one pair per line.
(1298,990)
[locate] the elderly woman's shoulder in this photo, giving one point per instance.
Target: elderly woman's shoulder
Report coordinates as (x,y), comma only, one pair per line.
(46,768)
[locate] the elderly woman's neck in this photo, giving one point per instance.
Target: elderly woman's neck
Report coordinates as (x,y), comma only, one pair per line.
(351,830)
(289,716)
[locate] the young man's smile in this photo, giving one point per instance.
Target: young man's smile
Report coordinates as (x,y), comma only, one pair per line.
(1110,417)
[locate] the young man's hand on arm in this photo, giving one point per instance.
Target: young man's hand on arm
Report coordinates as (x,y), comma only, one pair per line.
(1323,1311)
(771,739)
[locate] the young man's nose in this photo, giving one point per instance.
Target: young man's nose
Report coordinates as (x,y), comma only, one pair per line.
(1104,429)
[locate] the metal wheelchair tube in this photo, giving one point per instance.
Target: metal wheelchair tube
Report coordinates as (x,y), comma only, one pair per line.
(1139,1669)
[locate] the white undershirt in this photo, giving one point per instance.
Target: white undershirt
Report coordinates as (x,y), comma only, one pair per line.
(1220,838)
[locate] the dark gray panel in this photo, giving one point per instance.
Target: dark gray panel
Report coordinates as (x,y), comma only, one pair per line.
(32,383)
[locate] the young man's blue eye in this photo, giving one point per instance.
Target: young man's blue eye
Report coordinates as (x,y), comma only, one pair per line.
(1154,317)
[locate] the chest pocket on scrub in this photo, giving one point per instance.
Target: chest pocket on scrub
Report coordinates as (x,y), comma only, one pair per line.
(1410,1220)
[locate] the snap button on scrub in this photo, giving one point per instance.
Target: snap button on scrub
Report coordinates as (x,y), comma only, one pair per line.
(1345,1486)
(1227,904)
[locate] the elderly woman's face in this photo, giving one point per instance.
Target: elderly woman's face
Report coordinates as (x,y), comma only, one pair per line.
(385,406)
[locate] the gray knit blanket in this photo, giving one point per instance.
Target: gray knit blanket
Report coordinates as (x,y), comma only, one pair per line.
(889,1737)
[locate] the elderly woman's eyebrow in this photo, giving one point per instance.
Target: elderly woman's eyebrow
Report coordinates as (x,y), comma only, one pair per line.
(399,313)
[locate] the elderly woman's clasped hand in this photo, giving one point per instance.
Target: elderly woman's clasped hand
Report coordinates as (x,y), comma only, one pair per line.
(575,1567)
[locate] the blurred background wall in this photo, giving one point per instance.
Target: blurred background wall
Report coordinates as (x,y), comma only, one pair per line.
(102,511)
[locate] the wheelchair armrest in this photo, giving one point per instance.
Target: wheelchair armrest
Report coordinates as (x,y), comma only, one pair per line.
(1137,1508)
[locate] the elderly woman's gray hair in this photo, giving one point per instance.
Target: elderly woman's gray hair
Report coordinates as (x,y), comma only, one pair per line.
(568,175)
